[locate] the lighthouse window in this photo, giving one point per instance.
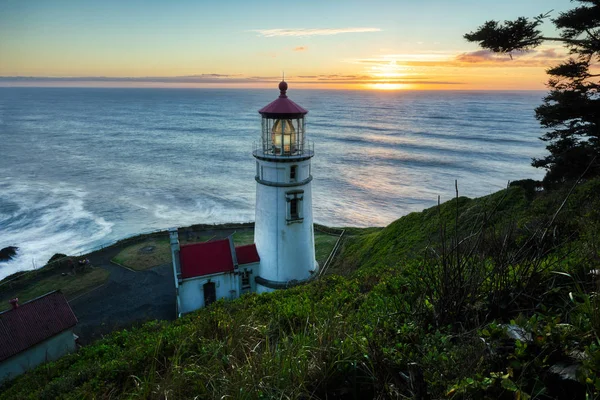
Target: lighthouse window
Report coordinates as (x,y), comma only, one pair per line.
(293,173)
(294,206)
(294,209)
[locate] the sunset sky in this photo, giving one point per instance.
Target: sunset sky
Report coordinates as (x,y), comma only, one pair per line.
(395,44)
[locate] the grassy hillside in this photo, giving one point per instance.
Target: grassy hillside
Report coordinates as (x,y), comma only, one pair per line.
(502,305)
(59,275)
(407,236)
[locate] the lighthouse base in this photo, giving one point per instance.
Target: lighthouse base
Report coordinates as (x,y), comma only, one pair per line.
(265,285)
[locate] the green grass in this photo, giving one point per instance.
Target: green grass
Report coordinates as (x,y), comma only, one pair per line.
(133,257)
(324,244)
(405,237)
(241,238)
(71,285)
(360,335)
(195,239)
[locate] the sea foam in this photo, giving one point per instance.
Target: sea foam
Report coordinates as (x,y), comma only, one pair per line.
(47,220)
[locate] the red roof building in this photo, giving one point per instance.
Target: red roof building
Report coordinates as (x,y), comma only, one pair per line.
(247,254)
(206,258)
(214,257)
(206,272)
(33,322)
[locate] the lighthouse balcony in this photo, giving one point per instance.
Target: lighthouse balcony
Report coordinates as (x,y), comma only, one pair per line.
(268,151)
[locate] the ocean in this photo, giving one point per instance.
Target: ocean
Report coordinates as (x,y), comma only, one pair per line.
(81,167)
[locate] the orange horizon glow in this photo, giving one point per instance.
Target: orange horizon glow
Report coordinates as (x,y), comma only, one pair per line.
(386,87)
(389,86)
(381,45)
(478,70)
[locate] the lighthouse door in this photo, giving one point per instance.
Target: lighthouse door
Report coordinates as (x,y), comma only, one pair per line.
(210,293)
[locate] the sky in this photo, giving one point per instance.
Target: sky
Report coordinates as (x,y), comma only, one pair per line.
(348,44)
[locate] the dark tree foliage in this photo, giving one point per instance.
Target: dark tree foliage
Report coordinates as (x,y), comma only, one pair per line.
(571,110)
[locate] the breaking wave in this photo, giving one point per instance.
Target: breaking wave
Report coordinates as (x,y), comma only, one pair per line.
(42,220)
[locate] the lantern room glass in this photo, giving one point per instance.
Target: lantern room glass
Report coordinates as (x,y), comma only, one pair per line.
(283,136)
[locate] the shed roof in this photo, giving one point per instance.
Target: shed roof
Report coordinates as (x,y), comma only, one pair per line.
(33,322)
(205,258)
(247,254)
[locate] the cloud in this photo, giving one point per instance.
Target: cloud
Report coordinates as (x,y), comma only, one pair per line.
(186,79)
(302,32)
(369,79)
(213,79)
(423,57)
(481,56)
(300,48)
(212,76)
(530,58)
(343,78)
(549,53)
(544,58)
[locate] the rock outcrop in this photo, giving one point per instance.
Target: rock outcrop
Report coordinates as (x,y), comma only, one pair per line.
(8,253)
(56,257)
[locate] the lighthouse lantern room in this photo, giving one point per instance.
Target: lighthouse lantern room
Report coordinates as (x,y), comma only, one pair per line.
(283,232)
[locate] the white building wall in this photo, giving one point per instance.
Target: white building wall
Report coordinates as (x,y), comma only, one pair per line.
(191,290)
(48,350)
(286,248)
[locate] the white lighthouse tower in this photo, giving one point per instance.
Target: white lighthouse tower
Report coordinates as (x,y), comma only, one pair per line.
(283,232)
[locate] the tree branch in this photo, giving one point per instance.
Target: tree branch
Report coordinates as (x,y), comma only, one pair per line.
(596,38)
(572,41)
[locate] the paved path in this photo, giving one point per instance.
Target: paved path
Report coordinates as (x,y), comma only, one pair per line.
(126,299)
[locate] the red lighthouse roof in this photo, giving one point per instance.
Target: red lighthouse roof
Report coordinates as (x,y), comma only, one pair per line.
(282,107)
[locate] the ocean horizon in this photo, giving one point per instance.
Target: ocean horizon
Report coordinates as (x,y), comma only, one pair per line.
(80,167)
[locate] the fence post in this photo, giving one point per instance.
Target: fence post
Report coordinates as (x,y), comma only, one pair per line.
(417,382)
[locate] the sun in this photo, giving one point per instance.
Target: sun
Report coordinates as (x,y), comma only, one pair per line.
(389,86)
(388,76)
(389,70)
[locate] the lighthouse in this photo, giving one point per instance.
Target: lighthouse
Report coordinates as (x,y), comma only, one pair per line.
(283,232)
